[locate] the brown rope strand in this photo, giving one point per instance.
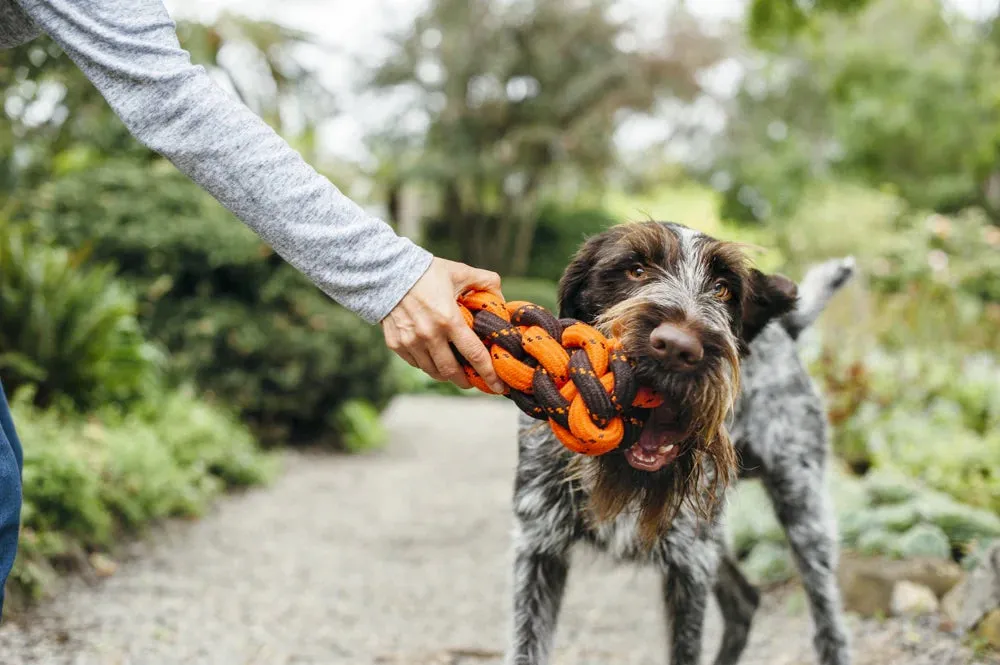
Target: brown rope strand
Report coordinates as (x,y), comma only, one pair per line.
(560,370)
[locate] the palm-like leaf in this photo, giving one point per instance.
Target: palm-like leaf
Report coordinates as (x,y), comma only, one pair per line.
(68,330)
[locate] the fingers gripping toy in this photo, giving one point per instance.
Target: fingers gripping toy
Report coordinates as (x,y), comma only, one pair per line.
(560,370)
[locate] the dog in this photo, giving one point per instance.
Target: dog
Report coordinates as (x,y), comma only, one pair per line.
(717,339)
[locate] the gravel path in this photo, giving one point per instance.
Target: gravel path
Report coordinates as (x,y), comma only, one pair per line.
(396,557)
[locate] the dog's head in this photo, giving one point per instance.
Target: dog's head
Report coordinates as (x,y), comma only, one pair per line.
(685,307)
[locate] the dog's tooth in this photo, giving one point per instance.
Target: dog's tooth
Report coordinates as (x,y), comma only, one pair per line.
(667,449)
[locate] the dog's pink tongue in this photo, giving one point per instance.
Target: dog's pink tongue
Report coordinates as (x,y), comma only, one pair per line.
(660,431)
(657,445)
(651,438)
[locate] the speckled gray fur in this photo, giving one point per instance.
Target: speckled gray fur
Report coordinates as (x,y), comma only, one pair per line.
(780,431)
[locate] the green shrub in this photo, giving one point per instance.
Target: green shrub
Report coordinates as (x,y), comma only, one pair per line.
(879,515)
(920,414)
(68,329)
(877,542)
(143,482)
(413,380)
(962,524)
(249,329)
(923,540)
(205,439)
(960,253)
(558,234)
(888,487)
(539,291)
(62,481)
(359,426)
(769,563)
(750,518)
(90,480)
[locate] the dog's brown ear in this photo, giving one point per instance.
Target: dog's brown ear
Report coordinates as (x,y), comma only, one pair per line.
(766,297)
(572,297)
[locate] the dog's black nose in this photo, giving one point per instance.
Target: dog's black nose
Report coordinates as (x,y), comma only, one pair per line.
(677,348)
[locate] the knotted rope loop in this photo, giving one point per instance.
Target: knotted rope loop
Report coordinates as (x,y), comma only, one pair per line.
(560,370)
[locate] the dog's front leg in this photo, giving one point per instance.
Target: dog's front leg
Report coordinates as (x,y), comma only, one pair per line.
(538,583)
(686,586)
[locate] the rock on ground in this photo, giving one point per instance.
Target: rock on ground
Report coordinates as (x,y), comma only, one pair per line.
(909,599)
(978,594)
(398,556)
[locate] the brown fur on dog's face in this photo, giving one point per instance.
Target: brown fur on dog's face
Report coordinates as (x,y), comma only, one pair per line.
(635,277)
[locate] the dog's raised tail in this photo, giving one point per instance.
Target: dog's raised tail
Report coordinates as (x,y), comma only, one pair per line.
(816,288)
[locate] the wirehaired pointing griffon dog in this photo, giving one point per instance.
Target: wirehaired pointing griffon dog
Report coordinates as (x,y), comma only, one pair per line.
(716,338)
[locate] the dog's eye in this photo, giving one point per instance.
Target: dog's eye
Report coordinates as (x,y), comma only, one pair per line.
(637,273)
(721,290)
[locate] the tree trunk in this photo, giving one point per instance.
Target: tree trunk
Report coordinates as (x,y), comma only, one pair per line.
(527,215)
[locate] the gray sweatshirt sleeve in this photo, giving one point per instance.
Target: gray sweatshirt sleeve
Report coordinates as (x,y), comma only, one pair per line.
(129,50)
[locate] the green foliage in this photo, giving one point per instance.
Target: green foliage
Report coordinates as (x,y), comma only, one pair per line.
(88,481)
(768,563)
(751,519)
(68,329)
(897,95)
(889,487)
(924,414)
(924,540)
(359,426)
(62,486)
(560,232)
(521,101)
(247,327)
(876,542)
(884,514)
(772,20)
(539,291)
(412,380)
(956,256)
(962,524)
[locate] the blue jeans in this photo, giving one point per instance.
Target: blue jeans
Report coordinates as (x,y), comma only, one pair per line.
(11,463)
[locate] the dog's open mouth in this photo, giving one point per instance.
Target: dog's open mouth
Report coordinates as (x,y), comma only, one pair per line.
(660,441)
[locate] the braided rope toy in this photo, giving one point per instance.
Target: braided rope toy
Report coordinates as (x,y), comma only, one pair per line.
(560,370)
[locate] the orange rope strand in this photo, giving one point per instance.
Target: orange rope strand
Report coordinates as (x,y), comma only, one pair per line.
(560,370)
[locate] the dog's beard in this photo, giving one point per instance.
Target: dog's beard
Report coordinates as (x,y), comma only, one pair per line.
(706,463)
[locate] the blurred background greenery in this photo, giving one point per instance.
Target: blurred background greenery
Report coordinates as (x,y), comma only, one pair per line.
(155,348)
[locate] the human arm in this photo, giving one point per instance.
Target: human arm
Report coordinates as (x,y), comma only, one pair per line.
(129,50)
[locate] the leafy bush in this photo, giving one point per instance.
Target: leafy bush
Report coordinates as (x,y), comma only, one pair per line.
(287,362)
(87,481)
(768,563)
(359,426)
(249,329)
(884,514)
(68,329)
(858,96)
(925,414)
(539,291)
(924,540)
(558,234)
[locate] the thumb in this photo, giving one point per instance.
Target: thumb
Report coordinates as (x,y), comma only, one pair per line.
(464,277)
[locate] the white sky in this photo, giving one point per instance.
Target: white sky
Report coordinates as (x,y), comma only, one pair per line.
(356,28)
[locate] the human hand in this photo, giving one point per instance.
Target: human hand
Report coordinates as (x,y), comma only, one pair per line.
(420,327)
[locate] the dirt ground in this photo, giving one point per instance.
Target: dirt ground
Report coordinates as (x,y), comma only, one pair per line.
(394,557)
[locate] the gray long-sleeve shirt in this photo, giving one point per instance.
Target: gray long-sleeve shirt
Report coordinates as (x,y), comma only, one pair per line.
(129,50)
